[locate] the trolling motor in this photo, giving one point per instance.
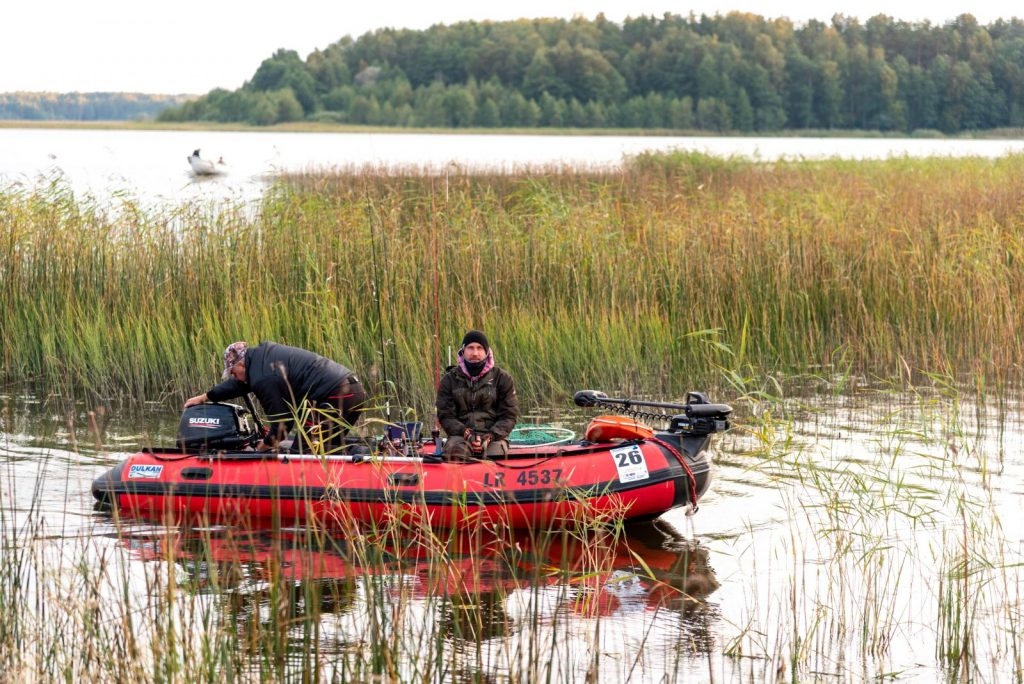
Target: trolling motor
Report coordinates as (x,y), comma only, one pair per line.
(699,417)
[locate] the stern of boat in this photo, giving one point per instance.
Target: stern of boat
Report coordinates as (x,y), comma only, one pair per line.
(690,432)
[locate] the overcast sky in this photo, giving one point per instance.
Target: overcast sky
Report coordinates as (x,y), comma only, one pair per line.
(193,46)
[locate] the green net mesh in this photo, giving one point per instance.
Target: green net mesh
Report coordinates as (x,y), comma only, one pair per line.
(537,435)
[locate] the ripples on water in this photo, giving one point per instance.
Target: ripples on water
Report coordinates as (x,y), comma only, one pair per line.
(838,531)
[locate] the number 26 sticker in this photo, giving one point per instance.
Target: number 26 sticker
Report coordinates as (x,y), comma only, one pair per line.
(630,463)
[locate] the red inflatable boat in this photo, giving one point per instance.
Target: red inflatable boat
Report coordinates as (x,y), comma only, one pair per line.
(621,470)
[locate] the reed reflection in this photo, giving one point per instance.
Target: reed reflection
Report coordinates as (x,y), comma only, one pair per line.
(299,587)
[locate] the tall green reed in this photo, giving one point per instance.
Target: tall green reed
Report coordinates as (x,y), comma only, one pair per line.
(400,602)
(609,279)
(903,520)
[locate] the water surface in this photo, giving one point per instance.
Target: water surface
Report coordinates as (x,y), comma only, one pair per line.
(151,166)
(833,537)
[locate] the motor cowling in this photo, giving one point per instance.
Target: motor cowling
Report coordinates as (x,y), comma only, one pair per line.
(701,417)
(215,426)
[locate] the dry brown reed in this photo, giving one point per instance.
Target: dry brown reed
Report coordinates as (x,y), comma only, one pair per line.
(654,279)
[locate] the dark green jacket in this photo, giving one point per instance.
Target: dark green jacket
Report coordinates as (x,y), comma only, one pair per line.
(488,404)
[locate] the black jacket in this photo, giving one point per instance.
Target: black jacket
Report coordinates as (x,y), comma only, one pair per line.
(487,405)
(281,377)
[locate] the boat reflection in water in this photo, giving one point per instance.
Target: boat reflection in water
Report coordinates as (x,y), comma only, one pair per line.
(461,588)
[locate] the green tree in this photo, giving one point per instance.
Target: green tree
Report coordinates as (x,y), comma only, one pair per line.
(713,115)
(742,112)
(263,110)
(365,109)
(1008,77)
(577,115)
(737,71)
(597,114)
(288,106)
(552,111)
(459,106)
(917,93)
(488,115)
(328,68)
(682,113)
(541,79)
(339,99)
(710,82)
(799,89)
(286,70)
(504,53)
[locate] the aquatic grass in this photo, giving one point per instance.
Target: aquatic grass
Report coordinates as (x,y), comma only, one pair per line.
(759,279)
(15,631)
(870,268)
(398,602)
(907,524)
(885,557)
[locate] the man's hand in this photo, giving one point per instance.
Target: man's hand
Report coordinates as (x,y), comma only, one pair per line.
(478,441)
(198,399)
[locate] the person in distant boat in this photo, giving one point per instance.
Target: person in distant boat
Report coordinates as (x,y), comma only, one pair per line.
(291,383)
(476,402)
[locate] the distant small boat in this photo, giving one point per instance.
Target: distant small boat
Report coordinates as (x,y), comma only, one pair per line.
(205,167)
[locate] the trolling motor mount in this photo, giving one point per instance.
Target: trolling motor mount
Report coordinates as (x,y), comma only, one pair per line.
(699,416)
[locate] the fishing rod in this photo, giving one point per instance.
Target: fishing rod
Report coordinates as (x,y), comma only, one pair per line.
(376,286)
(436,285)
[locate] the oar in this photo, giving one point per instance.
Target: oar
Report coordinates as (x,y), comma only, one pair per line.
(697,404)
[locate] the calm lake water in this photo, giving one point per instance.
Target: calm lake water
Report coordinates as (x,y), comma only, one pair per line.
(843,534)
(831,537)
(151,166)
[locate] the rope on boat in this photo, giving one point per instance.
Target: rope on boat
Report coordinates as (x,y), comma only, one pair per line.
(689,472)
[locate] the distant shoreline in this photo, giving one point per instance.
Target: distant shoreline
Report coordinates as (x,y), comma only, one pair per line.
(307,127)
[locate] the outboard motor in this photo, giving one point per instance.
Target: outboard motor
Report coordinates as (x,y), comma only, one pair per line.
(216,426)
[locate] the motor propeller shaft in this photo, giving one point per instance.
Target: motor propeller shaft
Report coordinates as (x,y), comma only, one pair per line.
(697,403)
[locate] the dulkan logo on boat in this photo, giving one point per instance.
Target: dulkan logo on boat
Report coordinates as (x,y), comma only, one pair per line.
(203,422)
(145,471)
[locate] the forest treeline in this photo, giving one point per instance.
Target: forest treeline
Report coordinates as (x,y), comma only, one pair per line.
(33,106)
(734,72)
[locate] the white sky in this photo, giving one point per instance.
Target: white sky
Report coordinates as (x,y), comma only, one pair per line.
(193,46)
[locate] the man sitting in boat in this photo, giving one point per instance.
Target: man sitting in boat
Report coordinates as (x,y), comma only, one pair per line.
(476,402)
(291,382)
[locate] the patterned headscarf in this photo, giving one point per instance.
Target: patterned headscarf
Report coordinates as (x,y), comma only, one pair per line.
(232,355)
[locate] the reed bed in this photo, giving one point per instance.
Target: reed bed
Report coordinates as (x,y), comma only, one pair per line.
(679,272)
(861,535)
(399,603)
(656,278)
(883,543)
(893,545)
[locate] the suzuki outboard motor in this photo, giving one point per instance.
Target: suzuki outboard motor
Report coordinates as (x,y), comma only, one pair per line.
(215,427)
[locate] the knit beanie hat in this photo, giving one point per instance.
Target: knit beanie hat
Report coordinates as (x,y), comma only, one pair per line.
(476,336)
